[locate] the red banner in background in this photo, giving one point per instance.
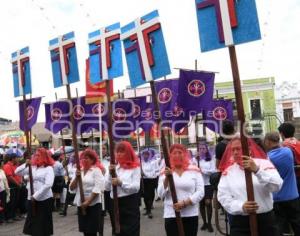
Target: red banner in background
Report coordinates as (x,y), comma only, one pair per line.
(95,92)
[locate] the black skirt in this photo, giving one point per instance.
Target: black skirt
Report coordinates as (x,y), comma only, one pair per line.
(41,223)
(209,192)
(58,184)
(129,215)
(90,222)
(239,225)
(190,226)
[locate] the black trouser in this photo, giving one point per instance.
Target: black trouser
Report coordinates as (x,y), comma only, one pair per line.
(22,203)
(3,205)
(190,226)
(13,203)
(288,212)
(266,225)
(149,193)
(107,207)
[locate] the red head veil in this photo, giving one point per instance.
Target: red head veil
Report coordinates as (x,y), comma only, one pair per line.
(92,155)
(130,159)
(42,157)
(228,159)
(185,161)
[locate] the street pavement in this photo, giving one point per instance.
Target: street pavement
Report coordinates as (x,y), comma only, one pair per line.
(67,226)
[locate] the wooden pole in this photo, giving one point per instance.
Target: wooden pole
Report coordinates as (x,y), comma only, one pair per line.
(167,159)
(75,143)
(112,157)
(241,117)
(28,144)
(197,141)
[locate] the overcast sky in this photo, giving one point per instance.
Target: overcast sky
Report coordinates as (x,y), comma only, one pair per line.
(34,22)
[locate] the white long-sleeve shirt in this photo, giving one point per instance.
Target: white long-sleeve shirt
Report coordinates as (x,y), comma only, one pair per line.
(188,185)
(232,187)
(43,178)
(207,168)
(151,169)
(130,181)
(3,181)
(92,182)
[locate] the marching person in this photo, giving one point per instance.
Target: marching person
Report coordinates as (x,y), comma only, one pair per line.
(107,205)
(14,183)
(232,189)
(59,181)
(39,222)
(207,166)
(286,201)
(91,222)
(4,193)
(150,172)
(128,185)
(189,188)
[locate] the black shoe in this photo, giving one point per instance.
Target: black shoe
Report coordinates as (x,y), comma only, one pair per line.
(210,228)
(150,216)
(16,219)
(145,213)
(62,213)
(157,199)
(204,227)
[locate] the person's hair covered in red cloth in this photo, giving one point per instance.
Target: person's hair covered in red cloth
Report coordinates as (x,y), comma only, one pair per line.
(42,157)
(234,153)
(126,156)
(91,154)
(181,159)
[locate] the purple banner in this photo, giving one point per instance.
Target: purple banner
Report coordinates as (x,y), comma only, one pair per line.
(32,110)
(196,90)
(219,111)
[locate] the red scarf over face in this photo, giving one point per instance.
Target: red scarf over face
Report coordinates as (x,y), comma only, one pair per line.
(91,154)
(42,157)
(177,161)
(129,159)
(233,153)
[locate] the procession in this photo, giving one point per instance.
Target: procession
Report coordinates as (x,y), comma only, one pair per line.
(117,140)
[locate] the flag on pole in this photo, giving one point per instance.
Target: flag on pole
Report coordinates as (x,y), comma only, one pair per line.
(145,49)
(57,116)
(219,111)
(64,60)
(95,92)
(32,110)
(144,113)
(225,23)
(196,90)
(105,54)
(86,116)
(21,72)
(172,113)
(122,115)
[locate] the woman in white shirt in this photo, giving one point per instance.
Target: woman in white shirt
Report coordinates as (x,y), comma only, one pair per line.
(4,193)
(189,189)
(150,173)
(40,221)
(232,189)
(207,166)
(128,185)
(93,185)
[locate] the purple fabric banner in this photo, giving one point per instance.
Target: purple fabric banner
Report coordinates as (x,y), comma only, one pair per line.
(143,115)
(172,113)
(57,115)
(32,110)
(196,90)
(219,111)
(86,116)
(123,121)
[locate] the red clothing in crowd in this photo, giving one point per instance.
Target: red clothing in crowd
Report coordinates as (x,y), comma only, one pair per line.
(9,169)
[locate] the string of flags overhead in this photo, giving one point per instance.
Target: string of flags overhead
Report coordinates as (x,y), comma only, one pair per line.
(221,23)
